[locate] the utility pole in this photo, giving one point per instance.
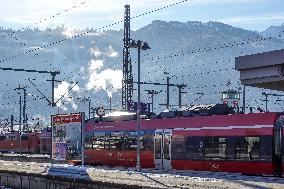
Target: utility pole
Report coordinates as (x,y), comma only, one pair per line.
(168,93)
(266,102)
(244,99)
(20,122)
(24,106)
(12,123)
(180,92)
(152,93)
(89,104)
(93,111)
(110,104)
(20,117)
(89,108)
(266,99)
(168,84)
(140,46)
(53,75)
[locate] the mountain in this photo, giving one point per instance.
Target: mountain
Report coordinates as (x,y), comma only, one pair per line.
(274,31)
(94,61)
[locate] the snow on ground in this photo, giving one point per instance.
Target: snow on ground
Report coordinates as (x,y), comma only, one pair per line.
(158,179)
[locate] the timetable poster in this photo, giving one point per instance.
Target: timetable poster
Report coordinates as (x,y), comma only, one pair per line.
(67,136)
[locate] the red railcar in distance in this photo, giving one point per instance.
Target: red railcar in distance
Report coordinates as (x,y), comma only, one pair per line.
(239,143)
(45,141)
(29,143)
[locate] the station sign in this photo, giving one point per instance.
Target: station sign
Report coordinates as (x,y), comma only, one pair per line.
(145,107)
(67,136)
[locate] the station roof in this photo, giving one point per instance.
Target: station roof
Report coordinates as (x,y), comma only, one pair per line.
(262,70)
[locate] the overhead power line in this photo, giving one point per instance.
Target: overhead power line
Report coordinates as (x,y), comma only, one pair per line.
(12,34)
(208,49)
(89,31)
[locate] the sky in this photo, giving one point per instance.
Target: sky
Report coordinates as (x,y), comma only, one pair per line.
(248,14)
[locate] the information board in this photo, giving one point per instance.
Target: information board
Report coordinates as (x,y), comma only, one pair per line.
(68,136)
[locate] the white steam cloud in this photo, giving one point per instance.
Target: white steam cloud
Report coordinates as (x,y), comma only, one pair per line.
(111,52)
(108,80)
(63,89)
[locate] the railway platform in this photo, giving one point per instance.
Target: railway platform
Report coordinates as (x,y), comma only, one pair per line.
(128,178)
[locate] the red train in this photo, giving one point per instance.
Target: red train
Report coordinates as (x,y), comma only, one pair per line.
(31,142)
(241,143)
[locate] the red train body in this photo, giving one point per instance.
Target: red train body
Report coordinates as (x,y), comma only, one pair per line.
(32,142)
(10,142)
(241,143)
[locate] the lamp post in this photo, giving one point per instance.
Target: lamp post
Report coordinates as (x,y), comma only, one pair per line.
(140,46)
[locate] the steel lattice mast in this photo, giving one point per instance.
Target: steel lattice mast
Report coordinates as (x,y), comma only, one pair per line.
(127,81)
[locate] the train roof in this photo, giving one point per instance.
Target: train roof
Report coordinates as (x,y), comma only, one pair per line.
(241,120)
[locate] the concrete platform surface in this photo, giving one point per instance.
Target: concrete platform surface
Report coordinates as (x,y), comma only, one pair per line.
(149,178)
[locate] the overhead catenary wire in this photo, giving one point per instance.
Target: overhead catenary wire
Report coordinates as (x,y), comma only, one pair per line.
(208,49)
(12,34)
(89,31)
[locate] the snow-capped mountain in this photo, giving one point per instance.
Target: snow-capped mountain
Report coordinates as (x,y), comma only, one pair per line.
(274,31)
(198,54)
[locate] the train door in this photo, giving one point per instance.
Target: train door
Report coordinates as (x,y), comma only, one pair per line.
(162,149)
(278,147)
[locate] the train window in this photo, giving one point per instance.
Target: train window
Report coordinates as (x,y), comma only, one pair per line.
(130,141)
(178,150)
(115,142)
(12,137)
(194,147)
(107,141)
(230,148)
(24,137)
(98,142)
(265,151)
(215,148)
(95,142)
(158,146)
(247,148)
(148,141)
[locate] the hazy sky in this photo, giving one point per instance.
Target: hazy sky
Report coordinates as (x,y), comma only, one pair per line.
(248,14)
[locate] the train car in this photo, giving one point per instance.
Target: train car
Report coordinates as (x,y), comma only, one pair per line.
(45,141)
(11,143)
(240,143)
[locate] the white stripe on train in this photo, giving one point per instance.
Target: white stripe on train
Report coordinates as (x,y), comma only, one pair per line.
(224,127)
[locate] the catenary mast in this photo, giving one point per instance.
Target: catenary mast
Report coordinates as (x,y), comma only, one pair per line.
(127,81)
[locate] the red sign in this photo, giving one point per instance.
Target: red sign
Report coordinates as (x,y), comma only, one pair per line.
(74,118)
